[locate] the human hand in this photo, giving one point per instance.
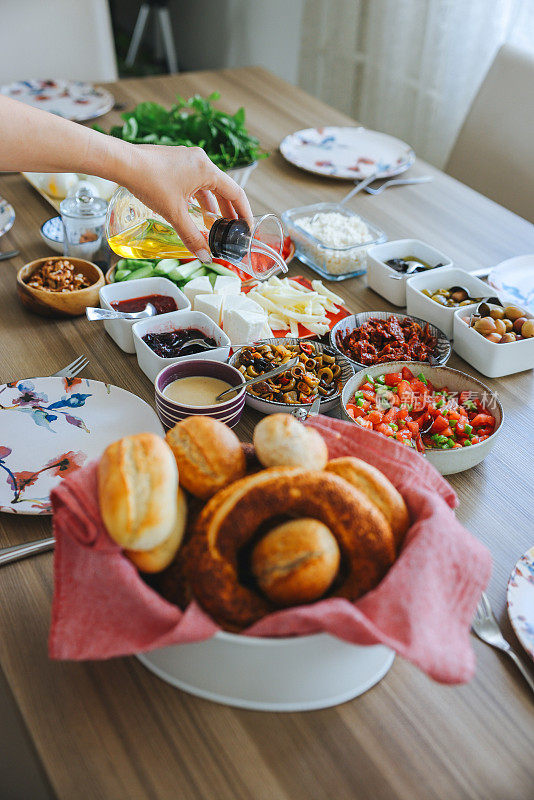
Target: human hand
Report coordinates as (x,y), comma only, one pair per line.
(164,178)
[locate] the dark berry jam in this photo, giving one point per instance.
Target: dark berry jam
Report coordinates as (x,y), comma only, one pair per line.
(170,344)
(161,303)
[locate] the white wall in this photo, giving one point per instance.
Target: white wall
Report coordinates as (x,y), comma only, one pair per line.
(211,34)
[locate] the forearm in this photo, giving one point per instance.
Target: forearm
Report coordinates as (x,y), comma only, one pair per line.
(36,141)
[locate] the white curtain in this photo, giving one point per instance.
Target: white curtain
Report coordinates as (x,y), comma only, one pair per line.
(407,67)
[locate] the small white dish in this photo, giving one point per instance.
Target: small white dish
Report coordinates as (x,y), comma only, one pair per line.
(420,305)
(52,234)
(381,278)
(264,674)
(520,600)
(120,330)
(152,364)
(349,152)
(241,175)
(447,462)
(490,358)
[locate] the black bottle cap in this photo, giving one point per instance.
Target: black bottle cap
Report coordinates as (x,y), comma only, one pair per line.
(229,237)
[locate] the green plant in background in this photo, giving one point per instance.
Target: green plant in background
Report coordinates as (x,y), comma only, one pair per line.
(193,122)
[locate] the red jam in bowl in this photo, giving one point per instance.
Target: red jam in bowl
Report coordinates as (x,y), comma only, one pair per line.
(161,303)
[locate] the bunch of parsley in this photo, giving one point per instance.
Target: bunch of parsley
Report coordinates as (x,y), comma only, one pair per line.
(193,122)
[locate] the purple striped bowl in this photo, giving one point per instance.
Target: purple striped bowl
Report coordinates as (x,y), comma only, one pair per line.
(170,412)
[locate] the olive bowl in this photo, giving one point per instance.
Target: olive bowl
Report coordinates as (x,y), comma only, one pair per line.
(60,304)
(275,407)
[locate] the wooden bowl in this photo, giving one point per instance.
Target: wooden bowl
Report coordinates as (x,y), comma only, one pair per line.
(60,304)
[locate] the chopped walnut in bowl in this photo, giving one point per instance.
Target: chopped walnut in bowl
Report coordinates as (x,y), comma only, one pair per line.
(58,275)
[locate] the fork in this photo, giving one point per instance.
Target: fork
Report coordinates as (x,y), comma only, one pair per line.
(72,369)
(486,628)
(398,182)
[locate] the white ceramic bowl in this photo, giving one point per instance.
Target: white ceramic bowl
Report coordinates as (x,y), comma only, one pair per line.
(300,673)
(120,330)
(422,306)
(442,350)
(273,407)
(379,275)
(152,364)
(445,461)
(52,233)
(241,175)
(490,358)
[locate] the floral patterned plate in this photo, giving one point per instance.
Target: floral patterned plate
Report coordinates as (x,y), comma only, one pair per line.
(69,99)
(514,278)
(520,600)
(352,153)
(7,216)
(50,427)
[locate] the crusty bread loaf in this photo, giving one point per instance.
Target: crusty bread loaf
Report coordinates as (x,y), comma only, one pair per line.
(377,488)
(137,490)
(296,562)
(161,556)
(281,440)
(208,454)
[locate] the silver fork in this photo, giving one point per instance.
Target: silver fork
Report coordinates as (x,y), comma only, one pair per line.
(487,628)
(72,369)
(399,182)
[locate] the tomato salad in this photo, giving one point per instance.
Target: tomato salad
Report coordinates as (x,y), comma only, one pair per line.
(411,410)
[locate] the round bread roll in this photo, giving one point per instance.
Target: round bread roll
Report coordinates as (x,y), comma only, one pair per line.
(296,562)
(137,490)
(160,557)
(231,518)
(208,454)
(378,488)
(281,440)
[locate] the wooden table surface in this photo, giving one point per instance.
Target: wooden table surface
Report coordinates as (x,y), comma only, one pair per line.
(113,730)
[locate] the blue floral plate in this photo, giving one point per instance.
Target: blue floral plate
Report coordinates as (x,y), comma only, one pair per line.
(52,233)
(520,600)
(7,216)
(50,427)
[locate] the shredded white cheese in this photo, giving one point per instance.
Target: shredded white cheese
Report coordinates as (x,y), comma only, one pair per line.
(337,231)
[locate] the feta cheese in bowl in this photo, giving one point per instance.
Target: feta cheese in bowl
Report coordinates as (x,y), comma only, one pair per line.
(332,239)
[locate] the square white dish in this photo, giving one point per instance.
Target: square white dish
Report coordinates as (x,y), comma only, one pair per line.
(120,330)
(490,358)
(420,305)
(152,364)
(379,274)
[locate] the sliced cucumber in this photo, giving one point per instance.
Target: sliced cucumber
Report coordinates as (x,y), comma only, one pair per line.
(144,272)
(121,274)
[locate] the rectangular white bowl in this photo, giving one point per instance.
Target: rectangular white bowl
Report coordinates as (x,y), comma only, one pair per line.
(379,274)
(490,358)
(422,306)
(120,330)
(151,364)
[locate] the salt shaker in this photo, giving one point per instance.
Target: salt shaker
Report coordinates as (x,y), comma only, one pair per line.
(83,217)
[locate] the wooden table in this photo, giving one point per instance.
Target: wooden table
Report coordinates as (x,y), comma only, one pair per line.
(113,730)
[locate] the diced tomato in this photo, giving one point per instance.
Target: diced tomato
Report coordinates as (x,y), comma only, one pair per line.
(355,411)
(456,445)
(407,374)
(403,413)
(375,417)
(447,432)
(439,424)
(453,414)
(413,427)
(368,395)
(368,387)
(483,419)
(463,397)
(475,440)
(419,387)
(460,426)
(385,429)
(390,415)
(364,423)
(393,378)
(405,392)
(484,432)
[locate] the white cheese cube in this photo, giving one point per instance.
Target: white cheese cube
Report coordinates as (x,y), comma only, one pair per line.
(226,284)
(197,286)
(210,304)
(243,326)
(239,301)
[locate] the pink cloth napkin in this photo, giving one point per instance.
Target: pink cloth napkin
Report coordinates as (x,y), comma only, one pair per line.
(422,609)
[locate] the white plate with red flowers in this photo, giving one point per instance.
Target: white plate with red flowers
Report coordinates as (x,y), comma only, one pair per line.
(520,600)
(348,152)
(69,99)
(50,427)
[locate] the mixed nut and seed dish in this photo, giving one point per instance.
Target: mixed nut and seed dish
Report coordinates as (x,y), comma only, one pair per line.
(58,275)
(317,373)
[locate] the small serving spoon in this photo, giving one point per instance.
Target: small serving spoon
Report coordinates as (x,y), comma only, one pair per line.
(412,266)
(264,377)
(97,314)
